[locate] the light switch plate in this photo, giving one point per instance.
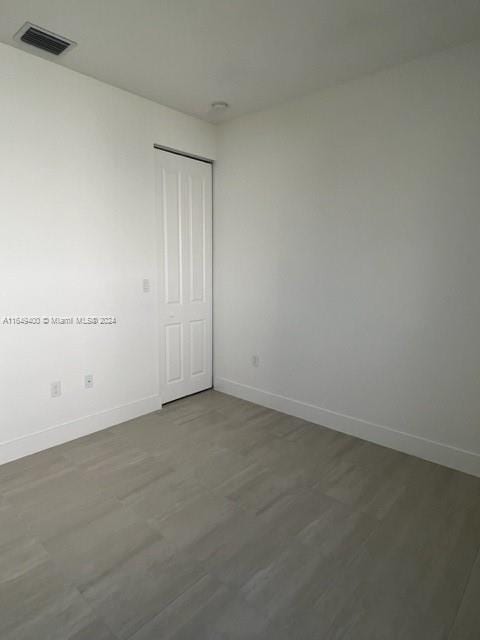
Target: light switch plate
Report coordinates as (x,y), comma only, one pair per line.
(56,389)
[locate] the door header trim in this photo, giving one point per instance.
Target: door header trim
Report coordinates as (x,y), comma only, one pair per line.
(183,153)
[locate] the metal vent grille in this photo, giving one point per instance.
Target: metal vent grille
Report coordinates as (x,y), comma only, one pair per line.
(43,39)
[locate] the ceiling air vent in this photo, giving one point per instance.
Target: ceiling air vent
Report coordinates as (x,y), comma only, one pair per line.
(43,39)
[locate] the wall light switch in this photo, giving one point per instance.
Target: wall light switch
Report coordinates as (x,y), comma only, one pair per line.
(255,361)
(88,381)
(146,285)
(56,389)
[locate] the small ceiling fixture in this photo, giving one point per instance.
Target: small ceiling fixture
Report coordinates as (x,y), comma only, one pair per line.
(42,39)
(219,105)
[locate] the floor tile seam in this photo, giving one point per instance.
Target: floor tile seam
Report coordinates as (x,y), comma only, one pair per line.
(464,593)
(179,596)
(168,604)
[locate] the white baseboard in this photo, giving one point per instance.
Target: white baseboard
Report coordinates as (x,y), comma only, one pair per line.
(58,434)
(444,454)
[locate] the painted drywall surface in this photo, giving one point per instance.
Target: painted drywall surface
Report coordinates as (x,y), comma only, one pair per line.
(347,235)
(77,237)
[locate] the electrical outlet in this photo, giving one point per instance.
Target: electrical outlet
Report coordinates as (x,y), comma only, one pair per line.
(255,361)
(56,389)
(146,285)
(88,381)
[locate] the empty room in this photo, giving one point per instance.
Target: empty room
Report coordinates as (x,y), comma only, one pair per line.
(239,320)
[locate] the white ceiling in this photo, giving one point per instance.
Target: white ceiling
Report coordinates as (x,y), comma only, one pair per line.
(251,53)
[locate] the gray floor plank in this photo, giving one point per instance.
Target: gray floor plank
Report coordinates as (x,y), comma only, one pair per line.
(105,540)
(219,519)
(467,622)
(35,602)
(137,590)
(209,611)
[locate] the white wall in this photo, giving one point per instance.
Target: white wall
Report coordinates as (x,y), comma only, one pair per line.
(347,256)
(347,232)
(77,236)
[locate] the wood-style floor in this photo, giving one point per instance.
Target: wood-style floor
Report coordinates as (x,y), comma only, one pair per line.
(218,519)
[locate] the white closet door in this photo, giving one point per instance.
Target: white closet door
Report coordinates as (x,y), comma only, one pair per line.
(184,209)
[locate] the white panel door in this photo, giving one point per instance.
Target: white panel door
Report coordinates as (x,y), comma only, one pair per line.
(184,210)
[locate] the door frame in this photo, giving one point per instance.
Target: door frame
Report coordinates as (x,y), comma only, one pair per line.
(211,162)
